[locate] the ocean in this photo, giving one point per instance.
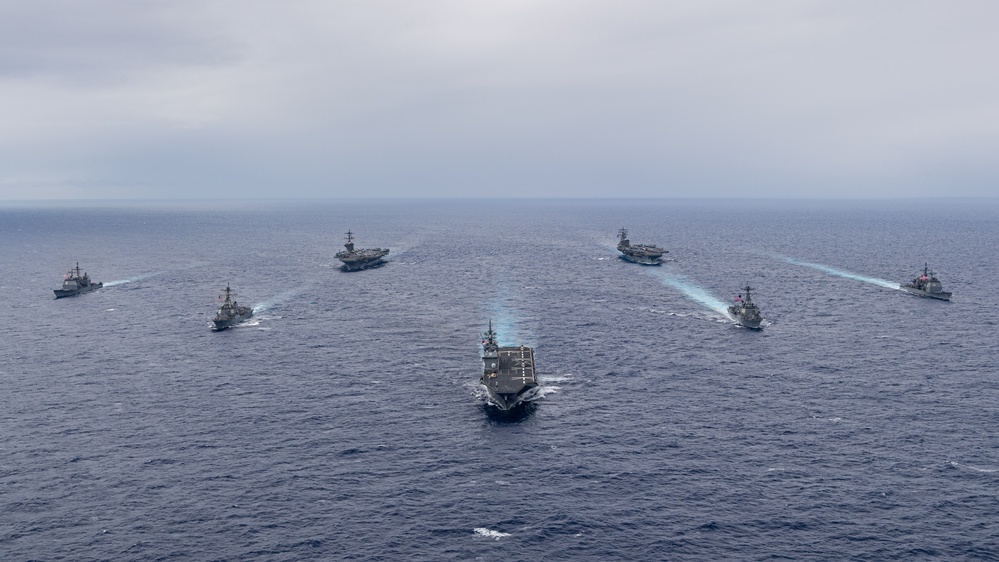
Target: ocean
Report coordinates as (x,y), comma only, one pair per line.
(345,421)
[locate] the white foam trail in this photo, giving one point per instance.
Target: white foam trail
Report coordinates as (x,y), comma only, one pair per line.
(845,274)
(542,391)
(691,291)
(974,468)
(490,533)
(505,324)
(610,246)
(132,279)
(277,299)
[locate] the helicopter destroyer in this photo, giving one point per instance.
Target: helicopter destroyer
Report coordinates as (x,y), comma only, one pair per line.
(230,312)
(927,285)
(745,312)
(74,284)
(644,254)
(354,260)
(507,372)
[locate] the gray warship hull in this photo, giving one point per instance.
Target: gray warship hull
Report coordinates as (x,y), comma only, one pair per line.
(927,285)
(514,382)
(744,321)
(644,254)
(230,313)
(357,263)
(74,283)
(745,312)
(357,259)
(941,295)
(60,293)
(643,260)
(223,323)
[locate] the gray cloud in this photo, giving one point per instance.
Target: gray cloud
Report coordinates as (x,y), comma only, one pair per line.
(103,42)
(549,98)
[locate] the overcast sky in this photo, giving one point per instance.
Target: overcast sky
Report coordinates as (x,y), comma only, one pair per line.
(519,98)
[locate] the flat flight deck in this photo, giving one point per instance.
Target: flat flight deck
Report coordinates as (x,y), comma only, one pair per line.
(516,369)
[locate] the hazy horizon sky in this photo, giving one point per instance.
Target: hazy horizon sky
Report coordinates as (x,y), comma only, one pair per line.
(307,98)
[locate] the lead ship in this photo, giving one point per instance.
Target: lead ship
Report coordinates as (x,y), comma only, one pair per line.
(927,285)
(73,284)
(745,312)
(507,372)
(644,254)
(230,313)
(354,260)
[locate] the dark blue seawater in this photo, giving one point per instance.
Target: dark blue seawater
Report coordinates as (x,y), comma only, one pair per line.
(345,422)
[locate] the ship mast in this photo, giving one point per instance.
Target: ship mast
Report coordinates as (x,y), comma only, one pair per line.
(490,353)
(228,291)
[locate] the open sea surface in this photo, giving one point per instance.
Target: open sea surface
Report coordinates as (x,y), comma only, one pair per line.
(345,421)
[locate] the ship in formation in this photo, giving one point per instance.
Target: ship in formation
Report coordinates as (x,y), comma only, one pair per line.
(645,254)
(74,283)
(356,259)
(230,312)
(745,312)
(507,372)
(927,285)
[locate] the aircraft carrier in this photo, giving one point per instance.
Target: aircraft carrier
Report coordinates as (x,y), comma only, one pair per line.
(357,259)
(508,372)
(645,254)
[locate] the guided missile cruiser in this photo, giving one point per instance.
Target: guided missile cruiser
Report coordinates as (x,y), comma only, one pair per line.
(230,312)
(745,312)
(74,284)
(645,254)
(357,259)
(507,372)
(927,285)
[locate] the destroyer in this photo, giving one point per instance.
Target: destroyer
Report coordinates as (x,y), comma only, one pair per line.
(927,285)
(73,284)
(745,312)
(507,372)
(230,313)
(644,254)
(354,260)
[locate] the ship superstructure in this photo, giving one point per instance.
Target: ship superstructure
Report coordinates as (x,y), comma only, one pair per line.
(230,312)
(74,283)
(507,372)
(645,254)
(356,259)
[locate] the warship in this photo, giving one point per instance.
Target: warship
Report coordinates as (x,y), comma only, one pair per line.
(354,260)
(230,313)
(639,253)
(927,285)
(507,372)
(73,284)
(745,312)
